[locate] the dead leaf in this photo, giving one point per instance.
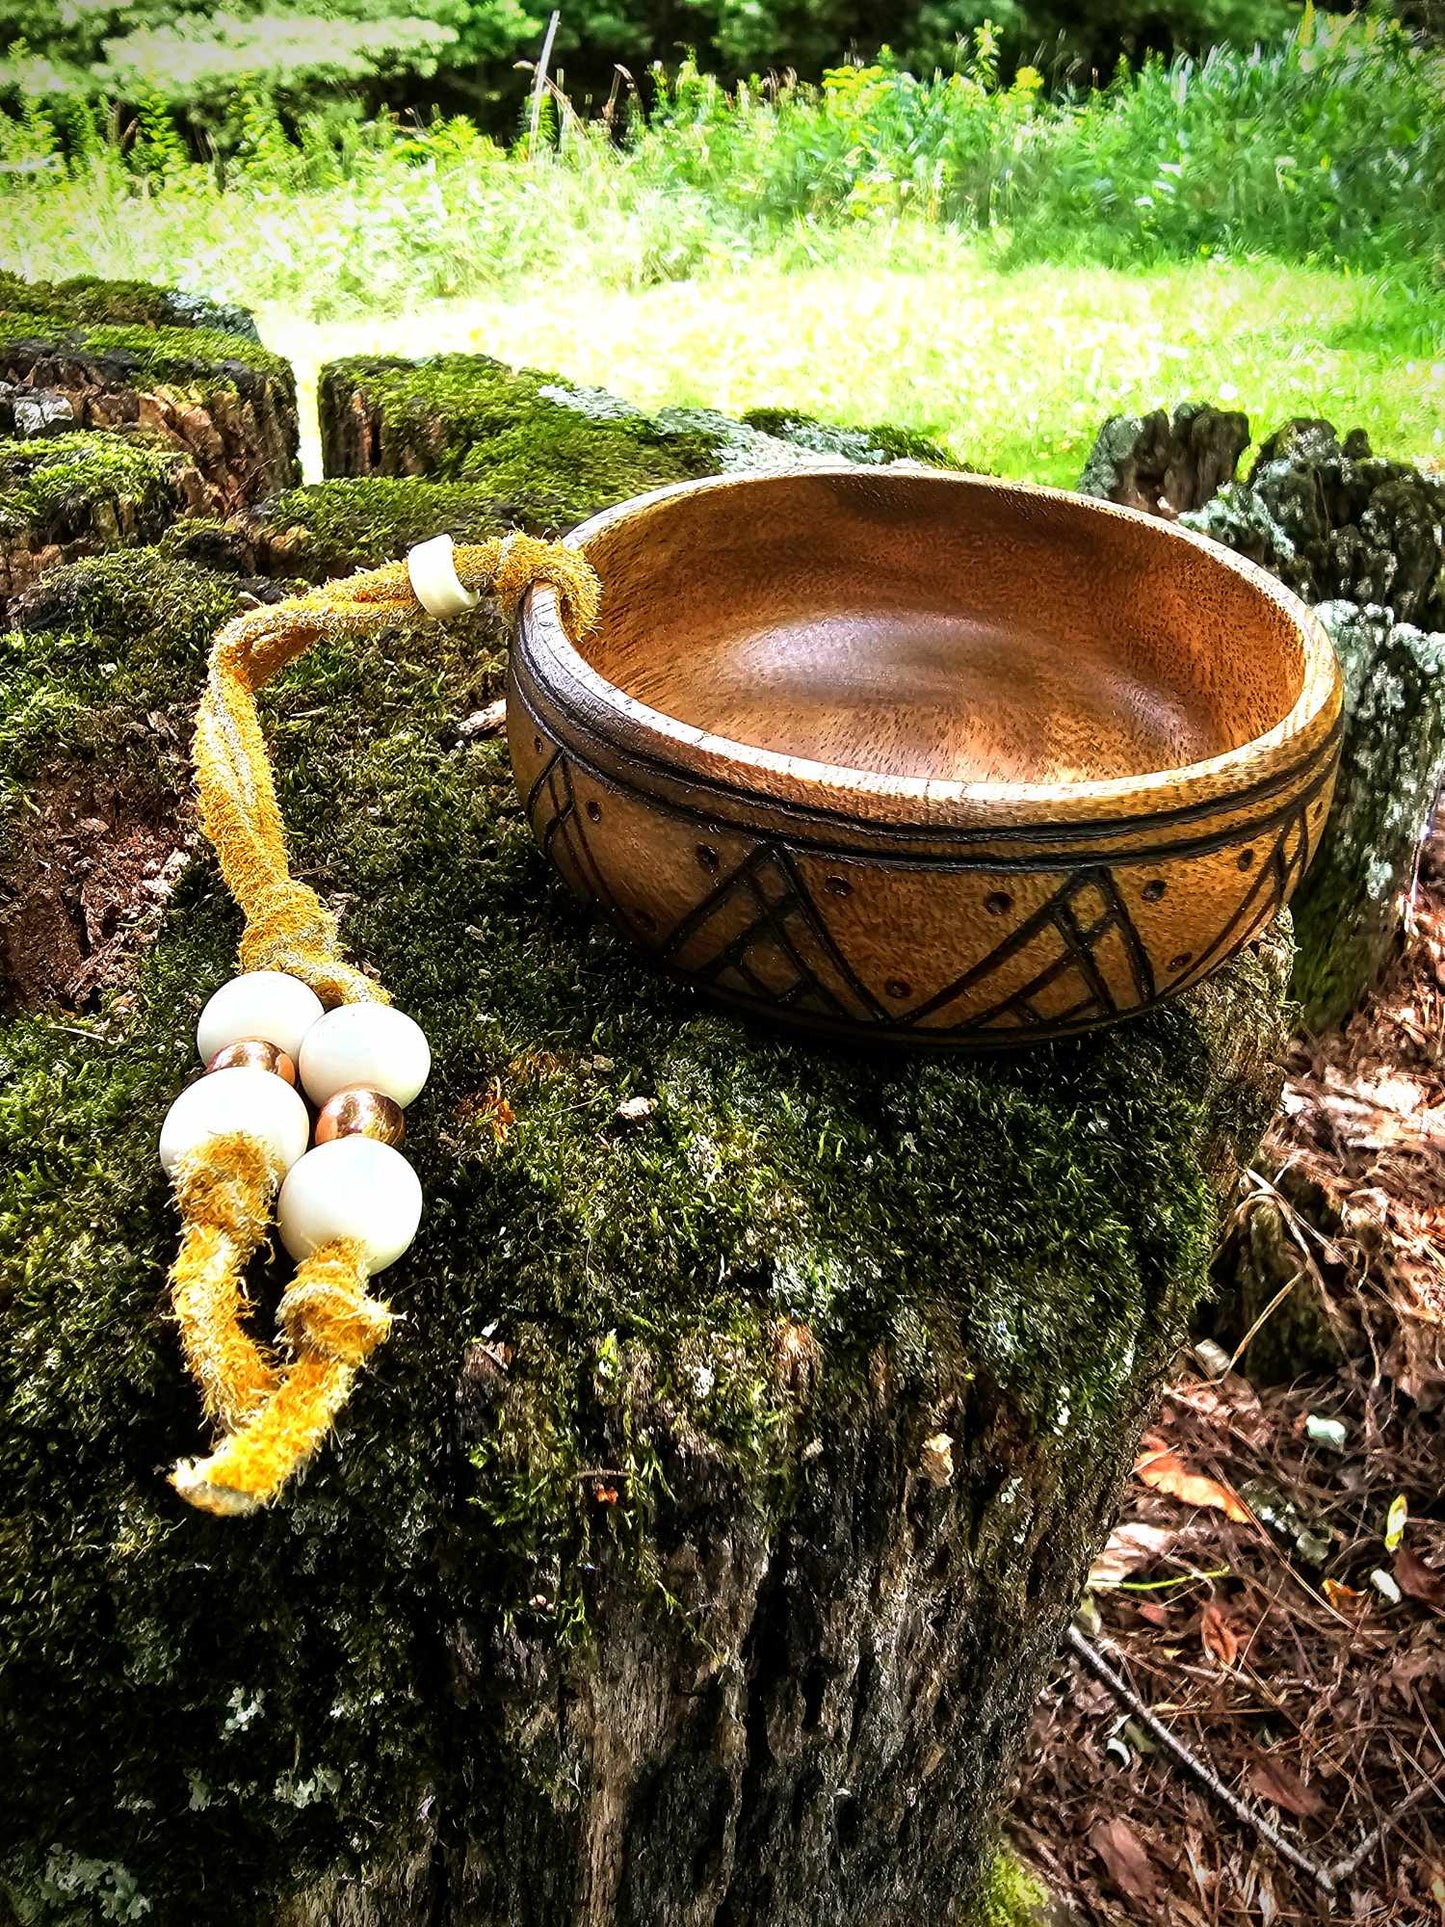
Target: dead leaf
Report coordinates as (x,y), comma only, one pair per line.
(1129,1547)
(1125,1857)
(1151,1610)
(1275,1780)
(1217,1636)
(1340,1596)
(1162,1468)
(1418,1580)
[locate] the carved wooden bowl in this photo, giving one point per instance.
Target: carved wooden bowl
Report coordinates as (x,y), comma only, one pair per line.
(925,757)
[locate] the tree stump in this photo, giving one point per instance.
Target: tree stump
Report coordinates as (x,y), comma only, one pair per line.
(1362,538)
(696,1547)
(1337,523)
(211,392)
(551,451)
(71,495)
(1349,908)
(1166,465)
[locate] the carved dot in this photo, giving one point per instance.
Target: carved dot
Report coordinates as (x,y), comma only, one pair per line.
(644,919)
(838,886)
(707,856)
(1246,858)
(998,902)
(594,810)
(1178,963)
(897,987)
(1154,889)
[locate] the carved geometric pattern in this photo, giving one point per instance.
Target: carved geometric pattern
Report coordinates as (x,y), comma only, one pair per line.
(758,933)
(771,941)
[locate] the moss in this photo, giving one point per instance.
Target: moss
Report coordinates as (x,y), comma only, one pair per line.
(330,527)
(1015,1898)
(87,298)
(97,675)
(211,1712)
(877,443)
(547,453)
(103,486)
(176,356)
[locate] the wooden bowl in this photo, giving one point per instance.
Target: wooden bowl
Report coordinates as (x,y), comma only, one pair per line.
(925,757)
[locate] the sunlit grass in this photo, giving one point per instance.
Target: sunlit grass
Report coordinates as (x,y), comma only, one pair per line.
(1014,370)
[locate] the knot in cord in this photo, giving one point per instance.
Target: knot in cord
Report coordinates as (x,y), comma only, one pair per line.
(289,928)
(523,562)
(327,1317)
(227,1184)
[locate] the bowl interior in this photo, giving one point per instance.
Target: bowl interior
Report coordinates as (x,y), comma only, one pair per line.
(922,625)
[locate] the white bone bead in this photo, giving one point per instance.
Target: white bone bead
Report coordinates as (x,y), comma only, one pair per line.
(366,1045)
(260,1004)
(434,579)
(240,1099)
(353,1187)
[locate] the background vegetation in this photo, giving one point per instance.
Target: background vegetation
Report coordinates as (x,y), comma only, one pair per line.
(987,253)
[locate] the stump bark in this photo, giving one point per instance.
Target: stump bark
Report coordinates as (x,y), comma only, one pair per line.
(1363,539)
(65,496)
(120,356)
(695,1549)
(1166,464)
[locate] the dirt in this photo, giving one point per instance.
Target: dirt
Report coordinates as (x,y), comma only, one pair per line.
(92,864)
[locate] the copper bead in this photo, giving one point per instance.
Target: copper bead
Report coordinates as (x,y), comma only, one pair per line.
(360,1113)
(254,1054)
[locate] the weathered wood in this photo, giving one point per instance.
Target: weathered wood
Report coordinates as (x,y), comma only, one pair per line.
(1166,464)
(125,357)
(65,496)
(1364,538)
(1336,522)
(1349,909)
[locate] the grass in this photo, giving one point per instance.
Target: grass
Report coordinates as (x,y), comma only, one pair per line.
(995,268)
(1013,369)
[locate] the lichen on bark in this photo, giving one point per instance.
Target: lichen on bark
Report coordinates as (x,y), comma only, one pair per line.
(1336,522)
(1349,906)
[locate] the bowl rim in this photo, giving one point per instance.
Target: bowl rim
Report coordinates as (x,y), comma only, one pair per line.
(770,776)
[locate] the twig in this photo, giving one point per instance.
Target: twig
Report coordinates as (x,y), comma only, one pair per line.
(539,84)
(1101,1669)
(1352,1862)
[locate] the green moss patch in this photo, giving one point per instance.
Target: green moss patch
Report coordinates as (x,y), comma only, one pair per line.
(101,488)
(176,356)
(88,299)
(214,1710)
(548,452)
(329,528)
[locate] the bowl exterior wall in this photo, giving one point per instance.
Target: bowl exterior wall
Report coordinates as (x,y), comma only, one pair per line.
(906,933)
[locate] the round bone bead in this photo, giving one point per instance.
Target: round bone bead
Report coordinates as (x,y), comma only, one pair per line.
(353,1187)
(257,1055)
(265,1004)
(239,1099)
(361,1114)
(365,1046)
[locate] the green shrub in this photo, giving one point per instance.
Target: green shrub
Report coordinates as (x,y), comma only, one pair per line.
(1327,148)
